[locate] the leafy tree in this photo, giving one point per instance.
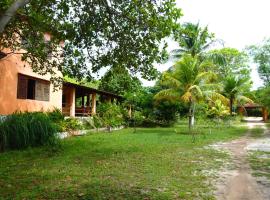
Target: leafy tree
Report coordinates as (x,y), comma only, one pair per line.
(23,24)
(235,62)
(190,82)
(262,96)
(164,111)
(10,12)
(97,34)
(235,88)
(119,81)
(261,56)
(192,39)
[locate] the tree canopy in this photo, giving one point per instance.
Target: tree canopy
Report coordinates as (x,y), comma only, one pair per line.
(97,34)
(190,81)
(235,88)
(261,56)
(192,39)
(119,81)
(234,62)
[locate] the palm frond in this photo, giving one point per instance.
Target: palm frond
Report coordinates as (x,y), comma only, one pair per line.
(168,94)
(196,90)
(187,96)
(208,76)
(170,81)
(214,96)
(243,99)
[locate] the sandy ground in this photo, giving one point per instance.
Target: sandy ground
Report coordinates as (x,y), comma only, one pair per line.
(236,181)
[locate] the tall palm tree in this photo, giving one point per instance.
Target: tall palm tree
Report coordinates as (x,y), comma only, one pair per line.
(234,89)
(189,81)
(193,40)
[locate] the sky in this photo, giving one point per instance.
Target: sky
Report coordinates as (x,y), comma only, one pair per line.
(238,23)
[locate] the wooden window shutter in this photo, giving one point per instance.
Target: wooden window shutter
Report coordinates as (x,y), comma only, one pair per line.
(46,92)
(42,91)
(22,87)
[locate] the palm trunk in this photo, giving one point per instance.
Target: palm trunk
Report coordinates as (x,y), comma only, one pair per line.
(191,115)
(10,12)
(191,119)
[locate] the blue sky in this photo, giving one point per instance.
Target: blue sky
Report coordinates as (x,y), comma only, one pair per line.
(238,23)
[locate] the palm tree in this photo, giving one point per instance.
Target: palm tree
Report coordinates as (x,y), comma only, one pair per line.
(193,40)
(189,81)
(234,88)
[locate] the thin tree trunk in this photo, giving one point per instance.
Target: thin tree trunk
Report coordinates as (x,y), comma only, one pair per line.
(10,12)
(231,105)
(193,115)
(190,116)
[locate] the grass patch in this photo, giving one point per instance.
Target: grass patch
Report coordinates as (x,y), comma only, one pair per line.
(153,163)
(256,132)
(260,163)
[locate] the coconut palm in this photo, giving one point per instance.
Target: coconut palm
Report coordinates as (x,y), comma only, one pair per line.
(193,40)
(189,81)
(234,89)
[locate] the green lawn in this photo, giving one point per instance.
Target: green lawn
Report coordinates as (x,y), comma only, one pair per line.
(256,132)
(260,163)
(155,163)
(259,160)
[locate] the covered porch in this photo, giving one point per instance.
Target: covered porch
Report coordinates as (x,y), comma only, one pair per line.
(78,100)
(244,110)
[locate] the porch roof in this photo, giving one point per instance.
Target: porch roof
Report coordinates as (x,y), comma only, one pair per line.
(86,89)
(252,105)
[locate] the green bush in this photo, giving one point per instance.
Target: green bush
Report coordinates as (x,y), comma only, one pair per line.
(71,124)
(22,130)
(97,121)
(111,114)
(56,115)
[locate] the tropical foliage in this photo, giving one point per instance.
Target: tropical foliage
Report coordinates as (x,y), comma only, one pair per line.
(230,61)
(97,34)
(218,110)
(234,89)
(111,115)
(191,82)
(261,56)
(193,40)
(22,130)
(118,80)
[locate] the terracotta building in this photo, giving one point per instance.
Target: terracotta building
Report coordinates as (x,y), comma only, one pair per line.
(23,90)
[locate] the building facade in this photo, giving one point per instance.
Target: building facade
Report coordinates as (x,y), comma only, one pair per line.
(22,90)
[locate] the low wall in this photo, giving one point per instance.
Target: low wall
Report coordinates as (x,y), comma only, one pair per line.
(63,135)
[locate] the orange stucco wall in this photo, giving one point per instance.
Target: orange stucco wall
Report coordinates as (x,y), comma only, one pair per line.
(10,66)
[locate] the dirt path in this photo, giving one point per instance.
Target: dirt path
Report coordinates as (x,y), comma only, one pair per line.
(238,183)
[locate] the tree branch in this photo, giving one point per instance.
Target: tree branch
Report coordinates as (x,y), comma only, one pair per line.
(6,17)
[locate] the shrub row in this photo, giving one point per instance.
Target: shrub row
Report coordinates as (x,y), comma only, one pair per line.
(22,130)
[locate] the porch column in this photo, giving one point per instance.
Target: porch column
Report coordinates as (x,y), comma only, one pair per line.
(82,101)
(264,114)
(93,108)
(72,102)
(88,100)
(109,99)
